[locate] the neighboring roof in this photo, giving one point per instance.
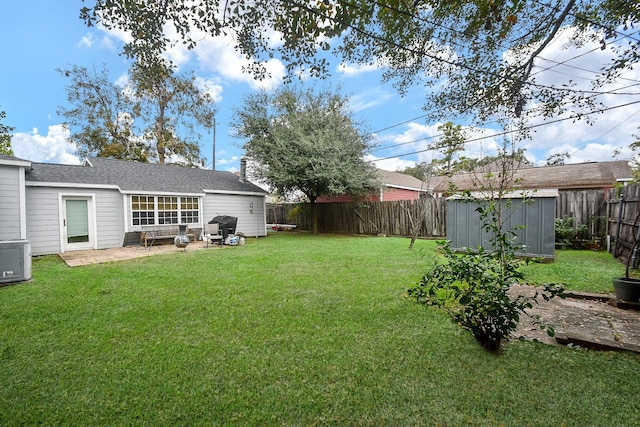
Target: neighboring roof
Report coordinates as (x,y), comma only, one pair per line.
(13,161)
(140,177)
(401,180)
(573,176)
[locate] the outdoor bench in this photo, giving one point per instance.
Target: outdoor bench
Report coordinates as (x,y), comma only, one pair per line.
(150,235)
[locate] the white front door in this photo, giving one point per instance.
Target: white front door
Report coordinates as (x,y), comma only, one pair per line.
(77,224)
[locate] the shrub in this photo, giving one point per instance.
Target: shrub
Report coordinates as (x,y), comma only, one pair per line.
(570,237)
(474,287)
(298,210)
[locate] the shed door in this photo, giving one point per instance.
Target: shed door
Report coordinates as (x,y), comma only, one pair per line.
(76,223)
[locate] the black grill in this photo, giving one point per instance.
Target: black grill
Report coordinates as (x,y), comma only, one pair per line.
(226,223)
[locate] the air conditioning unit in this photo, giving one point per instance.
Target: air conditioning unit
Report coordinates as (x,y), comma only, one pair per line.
(15,261)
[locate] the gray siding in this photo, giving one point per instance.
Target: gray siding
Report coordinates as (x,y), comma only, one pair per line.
(10,202)
(43,222)
(251,224)
(109,214)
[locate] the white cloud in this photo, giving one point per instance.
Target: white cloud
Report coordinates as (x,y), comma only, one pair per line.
(418,137)
(109,40)
(482,142)
(86,41)
(231,160)
(391,164)
(215,54)
(51,148)
(123,81)
(219,56)
(598,153)
(369,99)
(351,70)
(113,37)
(417,131)
(610,130)
(212,87)
(230,164)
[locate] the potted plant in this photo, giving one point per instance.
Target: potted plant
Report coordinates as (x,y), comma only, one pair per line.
(626,288)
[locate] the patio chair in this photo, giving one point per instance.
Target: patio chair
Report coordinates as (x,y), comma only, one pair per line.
(212,233)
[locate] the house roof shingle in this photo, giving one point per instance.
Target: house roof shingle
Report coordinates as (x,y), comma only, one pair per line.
(144,177)
(572,176)
(5,159)
(401,180)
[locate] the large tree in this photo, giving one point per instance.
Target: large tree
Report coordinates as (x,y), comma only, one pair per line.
(5,136)
(485,49)
(465,164)
(102,116)
(300,140)
(449,145)
(153,117)
(175,107)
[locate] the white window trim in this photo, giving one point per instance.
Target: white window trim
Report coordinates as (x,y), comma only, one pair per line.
(129,206)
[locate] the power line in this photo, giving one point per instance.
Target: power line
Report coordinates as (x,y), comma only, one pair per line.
(572,117)
(609,131)
(392,43)
(426,138)
(613,91)
(588,21)
(387,147)
(412,16)
(431,56)
(398,124)
(565,62)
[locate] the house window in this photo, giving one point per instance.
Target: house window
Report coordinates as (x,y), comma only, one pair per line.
(189,212)
(152,210)
(167,210)
(143,210)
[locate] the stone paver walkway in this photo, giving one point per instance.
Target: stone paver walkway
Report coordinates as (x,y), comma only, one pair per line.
(583,319)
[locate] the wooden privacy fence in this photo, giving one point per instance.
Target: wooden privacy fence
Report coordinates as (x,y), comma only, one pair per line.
(586,207)
(390,218)
(623,220)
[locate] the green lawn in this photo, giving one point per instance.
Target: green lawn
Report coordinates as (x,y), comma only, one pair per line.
(288,330)
(579,270)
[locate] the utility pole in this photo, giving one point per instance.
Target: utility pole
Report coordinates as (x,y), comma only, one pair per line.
(213,161)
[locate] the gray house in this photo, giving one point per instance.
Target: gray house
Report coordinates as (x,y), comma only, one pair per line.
(105,203)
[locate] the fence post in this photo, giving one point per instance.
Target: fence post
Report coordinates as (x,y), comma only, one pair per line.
(618,225)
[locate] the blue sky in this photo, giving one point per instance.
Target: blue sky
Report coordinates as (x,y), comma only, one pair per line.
(41,35)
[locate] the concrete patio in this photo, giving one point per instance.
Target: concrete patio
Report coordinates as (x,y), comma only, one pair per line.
(98,256)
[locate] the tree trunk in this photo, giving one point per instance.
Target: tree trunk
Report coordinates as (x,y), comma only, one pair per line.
(414,224)
(160,128)
(314,215)
(160,143)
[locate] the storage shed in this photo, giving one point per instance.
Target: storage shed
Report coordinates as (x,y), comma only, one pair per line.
(532,219)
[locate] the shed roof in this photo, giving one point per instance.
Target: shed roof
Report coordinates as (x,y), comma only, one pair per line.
(131,176)
(563,177)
